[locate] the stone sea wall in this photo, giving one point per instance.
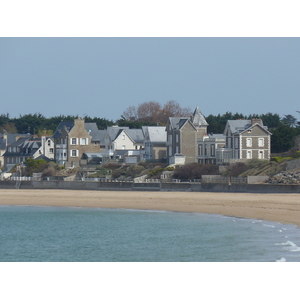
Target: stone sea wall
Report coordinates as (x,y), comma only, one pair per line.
(130,186)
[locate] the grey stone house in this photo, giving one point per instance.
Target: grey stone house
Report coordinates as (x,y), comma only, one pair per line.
(182,136)
(246,139)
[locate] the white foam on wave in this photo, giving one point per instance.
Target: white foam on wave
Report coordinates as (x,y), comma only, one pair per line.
(282,259)
(267,225)
(290,246)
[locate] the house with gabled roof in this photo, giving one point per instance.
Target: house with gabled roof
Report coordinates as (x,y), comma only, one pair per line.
(155,143)
(122,142)
(28,147)
(74,140)
(246,139)
(182,136)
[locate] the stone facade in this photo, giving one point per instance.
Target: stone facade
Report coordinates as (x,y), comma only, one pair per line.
(182,136)
(247,139)
(72,140)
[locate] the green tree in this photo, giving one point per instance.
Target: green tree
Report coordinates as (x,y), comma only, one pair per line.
(283,138)
(34,166)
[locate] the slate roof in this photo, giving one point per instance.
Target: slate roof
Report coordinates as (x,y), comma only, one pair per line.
(155,134)
(178,122)
(68,124)
(92,155)
(238,126)
(11,137)
(19,142)
(114,131)
(136,135)
(2,143)
(198,118)
(94,132)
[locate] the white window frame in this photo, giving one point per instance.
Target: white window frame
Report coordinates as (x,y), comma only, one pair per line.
(84,141)
(248,142)
(249,154)
(71,153)
(261,154)
(261,142)
(71,141)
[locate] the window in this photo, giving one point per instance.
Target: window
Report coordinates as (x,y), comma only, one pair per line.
(249,154)
(200,150)
(83,141)
(260,154)
(123,136)
(212,150)
(74,153)
(51,150)
(49,142)
(229,142)
(236,142)
(123,147)
(73,141)
(261,142)
(249,142)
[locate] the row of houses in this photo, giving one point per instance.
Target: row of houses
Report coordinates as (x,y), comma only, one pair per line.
(183,140)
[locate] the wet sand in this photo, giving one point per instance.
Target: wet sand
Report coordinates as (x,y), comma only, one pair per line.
(283,208)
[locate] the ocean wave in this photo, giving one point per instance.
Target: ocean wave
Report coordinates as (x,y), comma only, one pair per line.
(282,259)
(290,246)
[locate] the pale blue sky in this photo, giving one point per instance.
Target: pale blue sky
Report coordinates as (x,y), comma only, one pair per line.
(103,76)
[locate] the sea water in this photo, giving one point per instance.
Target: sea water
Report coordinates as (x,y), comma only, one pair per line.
(68,234)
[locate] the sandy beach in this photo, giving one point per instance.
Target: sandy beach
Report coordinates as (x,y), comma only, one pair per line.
(283,208)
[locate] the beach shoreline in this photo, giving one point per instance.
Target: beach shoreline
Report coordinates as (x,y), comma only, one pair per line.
(282,208)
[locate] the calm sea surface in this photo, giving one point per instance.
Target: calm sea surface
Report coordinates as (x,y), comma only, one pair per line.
(43,234)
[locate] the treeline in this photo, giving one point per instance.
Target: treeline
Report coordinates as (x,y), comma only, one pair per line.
(39,124)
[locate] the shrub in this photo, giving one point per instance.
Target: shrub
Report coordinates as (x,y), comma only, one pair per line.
(278,159)
(155,173)
(297,154)
(35,166)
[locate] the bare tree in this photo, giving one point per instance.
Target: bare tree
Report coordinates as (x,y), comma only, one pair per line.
(173,109)
(149,111)
(153,112)
(130,114)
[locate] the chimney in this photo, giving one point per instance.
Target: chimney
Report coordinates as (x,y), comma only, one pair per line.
(79,122)
(257,121)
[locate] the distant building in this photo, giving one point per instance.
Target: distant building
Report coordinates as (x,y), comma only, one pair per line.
(74,140)
(209,147)
(124,143)
(182,136)
(28,147)
(246,139)
(155,143)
